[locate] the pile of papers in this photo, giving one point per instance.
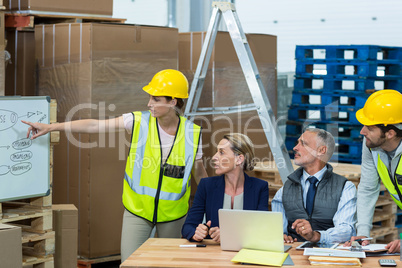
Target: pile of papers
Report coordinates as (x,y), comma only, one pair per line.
(325,256)
(334,253)
(368,248)
(343,261)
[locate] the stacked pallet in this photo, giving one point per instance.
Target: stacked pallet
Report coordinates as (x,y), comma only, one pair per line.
(384,229)
(332,83)
(34,216)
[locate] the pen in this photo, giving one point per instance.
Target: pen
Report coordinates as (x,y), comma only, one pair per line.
(363,239)
(193,246)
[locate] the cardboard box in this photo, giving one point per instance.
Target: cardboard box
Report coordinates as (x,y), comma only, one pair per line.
(225,85)
(98,7)
(65,224)
(98,71)
(2,55)
(10,246)
(20,71)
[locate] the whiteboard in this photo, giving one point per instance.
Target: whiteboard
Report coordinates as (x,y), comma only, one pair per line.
(24,163)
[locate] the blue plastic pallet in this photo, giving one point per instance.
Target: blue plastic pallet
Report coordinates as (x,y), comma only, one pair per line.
(349,148)
(335,92)
(374,69)
(348,77)
(331,84)
(344,158)
(306,99)
(356,52)
(337,130)
(348,62)
(290,143)
(329,114)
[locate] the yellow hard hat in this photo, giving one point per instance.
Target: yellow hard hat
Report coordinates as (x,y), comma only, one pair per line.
(382,107)
(168,82)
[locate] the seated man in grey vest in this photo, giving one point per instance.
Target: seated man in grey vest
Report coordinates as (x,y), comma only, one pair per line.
(317,204)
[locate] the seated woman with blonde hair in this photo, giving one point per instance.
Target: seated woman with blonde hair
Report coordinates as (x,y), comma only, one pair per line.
(231,189)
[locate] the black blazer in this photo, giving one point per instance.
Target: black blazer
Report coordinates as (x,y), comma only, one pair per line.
(209,199)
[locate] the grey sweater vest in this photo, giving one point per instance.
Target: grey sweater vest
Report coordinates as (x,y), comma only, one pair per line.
(328,194)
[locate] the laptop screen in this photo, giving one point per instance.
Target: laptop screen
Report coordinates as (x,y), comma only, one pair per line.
(251,229)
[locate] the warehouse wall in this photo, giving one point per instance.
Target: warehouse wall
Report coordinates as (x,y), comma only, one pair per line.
(190,15)
(146,12)
(293,21)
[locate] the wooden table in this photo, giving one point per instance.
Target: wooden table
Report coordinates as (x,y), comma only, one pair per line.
(164,252)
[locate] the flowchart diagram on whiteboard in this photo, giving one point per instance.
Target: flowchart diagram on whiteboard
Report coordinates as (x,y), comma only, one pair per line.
(24,163)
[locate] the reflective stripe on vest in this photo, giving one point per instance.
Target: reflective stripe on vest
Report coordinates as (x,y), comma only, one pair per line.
(149,184)
(386,179)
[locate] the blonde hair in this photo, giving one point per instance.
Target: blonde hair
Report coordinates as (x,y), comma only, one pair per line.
(242,144)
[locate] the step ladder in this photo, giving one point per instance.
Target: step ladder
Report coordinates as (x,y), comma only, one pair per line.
(249,67)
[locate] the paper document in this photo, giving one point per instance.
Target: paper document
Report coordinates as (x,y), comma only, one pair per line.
(333,252)
(260,257)
(368,248)
(334,261)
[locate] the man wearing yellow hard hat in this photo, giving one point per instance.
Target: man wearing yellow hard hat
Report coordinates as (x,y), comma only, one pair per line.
(382,150)
(165,150)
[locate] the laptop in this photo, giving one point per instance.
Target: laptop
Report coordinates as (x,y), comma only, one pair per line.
(251,229)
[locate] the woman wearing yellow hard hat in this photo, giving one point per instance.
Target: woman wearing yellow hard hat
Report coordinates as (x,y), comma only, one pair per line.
(165,151)
(381,118)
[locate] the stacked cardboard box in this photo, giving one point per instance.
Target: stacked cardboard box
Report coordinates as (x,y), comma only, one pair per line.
(2,55)
(10,246)
(20,71)
(98,71)
(65,224)
(98,7)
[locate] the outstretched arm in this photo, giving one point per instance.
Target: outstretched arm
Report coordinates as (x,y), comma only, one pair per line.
(79,126)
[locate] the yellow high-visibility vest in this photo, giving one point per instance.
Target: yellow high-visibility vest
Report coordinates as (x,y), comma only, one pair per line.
(156,192)
(392,185)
